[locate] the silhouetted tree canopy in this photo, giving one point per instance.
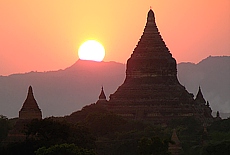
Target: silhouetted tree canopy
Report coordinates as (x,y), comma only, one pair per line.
(48,132)
(221,125)
(64,149)
(115,135)
(104,123)
(4,127)
(218,148)
(153,146)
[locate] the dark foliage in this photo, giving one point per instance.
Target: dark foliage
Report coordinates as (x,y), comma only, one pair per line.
(115,135)
(190,132)
(64,149)
(4,127)
(153,146)
(19,148)
(220,126)
(104,123)
(218,148)
(48,132)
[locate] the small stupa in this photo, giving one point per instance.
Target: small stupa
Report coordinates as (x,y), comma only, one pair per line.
(175,148)
(199,97)
(217,118)
(102,97)
(203,107)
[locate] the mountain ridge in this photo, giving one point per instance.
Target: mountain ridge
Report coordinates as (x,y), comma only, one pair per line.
(64,91)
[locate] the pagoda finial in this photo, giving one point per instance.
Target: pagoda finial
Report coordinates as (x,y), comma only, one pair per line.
(208,104)
(217,116)
(150,13)
(30,90)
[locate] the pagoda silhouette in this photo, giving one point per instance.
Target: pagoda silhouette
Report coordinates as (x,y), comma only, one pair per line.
(29,111)
(151,90)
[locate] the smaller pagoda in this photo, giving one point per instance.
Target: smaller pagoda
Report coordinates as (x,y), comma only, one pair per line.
(28,112)
(175,148)
(30,109)
(199,97)
(203,108)
(102,97)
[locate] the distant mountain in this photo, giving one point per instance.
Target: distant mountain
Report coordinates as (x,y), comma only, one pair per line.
(62,92)
(213,75)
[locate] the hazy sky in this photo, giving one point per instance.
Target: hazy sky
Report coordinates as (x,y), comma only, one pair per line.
(42,35)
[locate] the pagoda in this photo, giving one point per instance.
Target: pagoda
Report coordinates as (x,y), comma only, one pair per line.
(175,147)
(28,112)
(203,107)
(102,97)
(30,109)
(151,90)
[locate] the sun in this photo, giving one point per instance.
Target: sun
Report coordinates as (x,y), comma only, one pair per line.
(91,50)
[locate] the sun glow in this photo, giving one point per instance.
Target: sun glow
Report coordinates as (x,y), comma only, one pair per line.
(91,50)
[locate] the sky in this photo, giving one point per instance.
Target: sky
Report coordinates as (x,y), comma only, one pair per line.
(44,35)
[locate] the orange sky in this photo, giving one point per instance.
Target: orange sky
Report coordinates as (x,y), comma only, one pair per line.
(43,35)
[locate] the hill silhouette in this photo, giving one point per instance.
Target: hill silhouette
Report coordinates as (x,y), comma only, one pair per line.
(212,74)
(62,92)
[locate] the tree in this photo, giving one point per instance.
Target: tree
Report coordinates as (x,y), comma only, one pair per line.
(64,149)
(218,148)
(104,123)
(153,146)
(4,127)
(48,132)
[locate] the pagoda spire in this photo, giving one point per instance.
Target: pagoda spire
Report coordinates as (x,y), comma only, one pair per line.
(102,94)
(217,116)
(151,13)
(175,148)
(208,104)
(30,109)
(102,97)
(30,101)
(151,58)
(199,97)
(175,137)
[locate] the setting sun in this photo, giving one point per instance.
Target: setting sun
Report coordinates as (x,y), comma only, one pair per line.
(91,50)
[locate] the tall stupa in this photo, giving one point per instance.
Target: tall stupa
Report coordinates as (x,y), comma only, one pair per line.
(151,90)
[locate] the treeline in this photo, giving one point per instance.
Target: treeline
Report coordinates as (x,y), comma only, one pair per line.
(93,131)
